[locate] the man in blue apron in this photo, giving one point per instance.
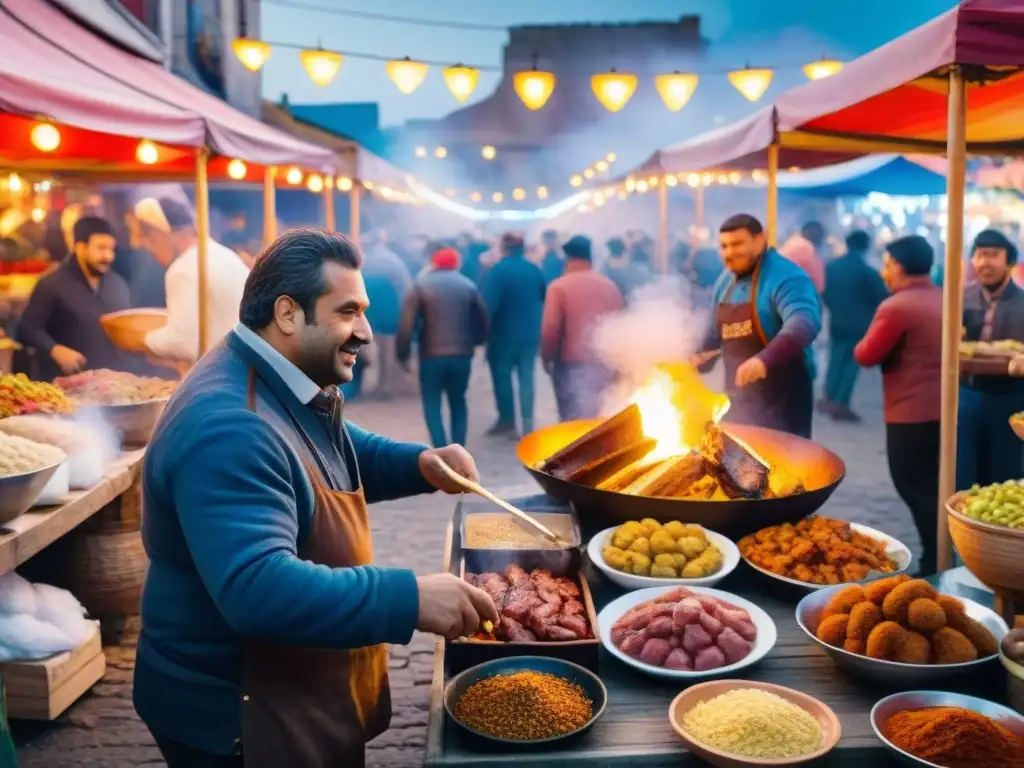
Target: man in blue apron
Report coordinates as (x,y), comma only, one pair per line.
(987,449)
(264,621)
(767,315)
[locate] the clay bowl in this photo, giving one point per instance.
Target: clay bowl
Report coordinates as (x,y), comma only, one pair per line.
(830,727)
(127,329)
(993,553)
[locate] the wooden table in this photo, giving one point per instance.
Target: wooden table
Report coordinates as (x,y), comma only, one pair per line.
(31,532)
(634,730)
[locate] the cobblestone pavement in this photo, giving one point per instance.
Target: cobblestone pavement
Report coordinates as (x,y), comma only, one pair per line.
(102,729)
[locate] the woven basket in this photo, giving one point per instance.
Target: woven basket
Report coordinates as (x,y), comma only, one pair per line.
(993,553)
(107,570)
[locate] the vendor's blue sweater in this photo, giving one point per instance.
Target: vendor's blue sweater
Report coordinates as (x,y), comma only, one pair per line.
(788,309)
(227,505)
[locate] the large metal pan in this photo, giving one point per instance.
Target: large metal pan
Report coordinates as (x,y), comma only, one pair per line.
(819,469)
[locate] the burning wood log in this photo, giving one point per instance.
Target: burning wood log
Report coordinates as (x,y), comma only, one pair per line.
(621,430)
(672,477)
(742,473)
(597,472)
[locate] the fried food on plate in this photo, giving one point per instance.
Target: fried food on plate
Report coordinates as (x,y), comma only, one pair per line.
(877,591)
(832,630)
(915,649)
(885,641)
(897,603)
(925,615)
(844,600)
(864,617)
(952,647)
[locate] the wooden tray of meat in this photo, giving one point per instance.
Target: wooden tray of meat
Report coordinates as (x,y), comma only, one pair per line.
(541,615)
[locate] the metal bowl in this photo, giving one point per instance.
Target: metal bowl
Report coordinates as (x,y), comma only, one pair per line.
(587,680)
(134,421)
(898,702)
(19,492)
(818,468)
(127,329)
(893,673)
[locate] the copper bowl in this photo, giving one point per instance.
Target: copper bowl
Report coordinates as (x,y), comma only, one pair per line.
(128,328)
(831,730)
(993,553)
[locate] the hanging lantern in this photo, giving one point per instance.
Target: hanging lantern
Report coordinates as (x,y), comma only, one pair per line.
(693,180)
(576,180)
(487,152)
(237,169)
(315,184)
(345,184)
(671,181)
(294,176)
(497,197)
(735,177)
(252,53)
(613,89)
(611,157)
(518,193)
(819,70)
(752,83)
(601,166)
(653,181)
(642,186)
(146,152)
(534,87)
(475,197)
(440,153)
(542,193)
(14,184)
(406,74)
(321,66)
(676,89)
(589,173)
(461,81)
(45,137)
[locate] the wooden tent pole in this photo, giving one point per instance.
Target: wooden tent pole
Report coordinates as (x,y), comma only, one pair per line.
(329,223)
(353,212)
(952,303)
(663,244)
(269,205)
(202,246)
(773,196)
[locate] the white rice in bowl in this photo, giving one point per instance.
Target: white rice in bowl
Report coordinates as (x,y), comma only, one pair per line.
(18,455)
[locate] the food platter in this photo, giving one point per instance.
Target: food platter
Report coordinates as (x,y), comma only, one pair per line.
(893,673)
(912,700)
(767,634)
(895,549)
(134,421)
(19,492)
(730,559)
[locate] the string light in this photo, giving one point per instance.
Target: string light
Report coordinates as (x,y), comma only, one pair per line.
(45,137)
(321,66)
(693,180)
(406,74)
(752,83)
(315,184)
(497,197)
(588,173)
(601,165)
(440,153)
(421,152)
(38,214)
(487,152)
(252,53)
(671,181)
(345,184)
(518,193)
(475,197)
(534,87)
(461,81)
(641,186)
(146,152)
(613,89)
(611,158)
(542,193)
(576,180)
(294,176)
(676,89)
(14,184)
(819,70)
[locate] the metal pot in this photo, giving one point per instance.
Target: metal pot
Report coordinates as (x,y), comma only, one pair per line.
(818,468)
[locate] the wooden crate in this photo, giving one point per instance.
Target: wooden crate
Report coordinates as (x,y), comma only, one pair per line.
(44,689)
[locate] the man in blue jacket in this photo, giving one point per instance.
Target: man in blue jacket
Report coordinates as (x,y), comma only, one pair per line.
(264,621)
(767,315)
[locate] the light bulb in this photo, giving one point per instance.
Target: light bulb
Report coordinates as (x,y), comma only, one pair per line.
(406,74)
(252,53)
(146,152)
(534,87)
(345,184)
(542,193)
(440,153)
(613,89)
(315,184)
(461,81)
(487,152)
(294,176)
(321,66)
(45,137)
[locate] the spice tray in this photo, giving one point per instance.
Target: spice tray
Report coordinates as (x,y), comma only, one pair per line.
(464,653)
(481,559)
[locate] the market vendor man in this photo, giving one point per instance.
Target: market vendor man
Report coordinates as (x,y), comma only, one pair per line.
(767,315)
(987,449)
(264,620)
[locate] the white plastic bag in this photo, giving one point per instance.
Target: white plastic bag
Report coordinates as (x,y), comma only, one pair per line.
(26,637)
(56,489)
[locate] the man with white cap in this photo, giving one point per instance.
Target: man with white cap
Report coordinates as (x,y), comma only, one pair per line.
(167,231)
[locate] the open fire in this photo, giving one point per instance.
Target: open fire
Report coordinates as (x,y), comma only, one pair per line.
(668,443)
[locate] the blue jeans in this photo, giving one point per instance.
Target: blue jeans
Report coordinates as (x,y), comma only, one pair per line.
(504,358)
(987,450)
(842,371)
(448,376)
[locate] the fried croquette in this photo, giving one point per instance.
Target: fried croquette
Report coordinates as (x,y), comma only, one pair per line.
(952,647)
(956,615)
(897,603)
(843,602)
(877,591)
(885,640)
(915,649)
(832,631)
(981,638)
(864,617)
(925,615)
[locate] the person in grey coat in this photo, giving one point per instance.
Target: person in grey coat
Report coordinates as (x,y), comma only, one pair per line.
(445,310)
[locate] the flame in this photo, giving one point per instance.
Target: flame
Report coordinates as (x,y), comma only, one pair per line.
(675,407)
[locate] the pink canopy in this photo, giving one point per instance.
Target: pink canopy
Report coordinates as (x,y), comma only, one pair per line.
(897,93)
(39,79)
(230,132)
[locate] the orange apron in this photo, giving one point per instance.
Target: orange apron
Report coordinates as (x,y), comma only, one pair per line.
(317,707)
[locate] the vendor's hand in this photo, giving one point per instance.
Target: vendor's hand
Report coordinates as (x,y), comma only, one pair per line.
(67,359)
(750,371)
(452,608)
(456,457)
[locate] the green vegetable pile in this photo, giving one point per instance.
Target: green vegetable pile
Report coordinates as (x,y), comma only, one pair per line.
(997,504)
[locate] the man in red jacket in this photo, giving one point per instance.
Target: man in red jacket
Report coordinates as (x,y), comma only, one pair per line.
(905,338)
(574,305)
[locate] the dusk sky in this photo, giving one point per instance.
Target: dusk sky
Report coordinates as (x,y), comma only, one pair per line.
(768,32)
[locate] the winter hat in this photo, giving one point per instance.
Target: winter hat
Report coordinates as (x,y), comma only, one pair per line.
(446,258)
(993,238)
(913,253)
(578,248)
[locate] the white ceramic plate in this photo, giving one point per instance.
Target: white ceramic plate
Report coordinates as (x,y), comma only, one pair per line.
(730,559)
(615,610)
(895,549)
